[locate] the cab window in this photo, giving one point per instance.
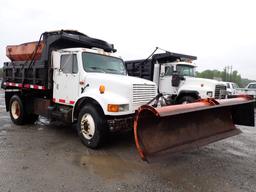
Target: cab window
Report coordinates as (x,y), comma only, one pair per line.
(68,63)
(235,86)
(186,70)
(252,86)
(168,70)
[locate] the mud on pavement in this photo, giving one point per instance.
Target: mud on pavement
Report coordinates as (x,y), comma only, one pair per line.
(49,157)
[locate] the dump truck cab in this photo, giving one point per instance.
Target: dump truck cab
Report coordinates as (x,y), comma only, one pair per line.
(80,73)
(174,74)
(178,78)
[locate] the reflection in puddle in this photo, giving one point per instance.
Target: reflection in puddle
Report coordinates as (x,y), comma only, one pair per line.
(42,121)
(108,166)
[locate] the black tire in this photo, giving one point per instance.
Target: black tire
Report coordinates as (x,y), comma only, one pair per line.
(186,99)
(17,110)
(90,138)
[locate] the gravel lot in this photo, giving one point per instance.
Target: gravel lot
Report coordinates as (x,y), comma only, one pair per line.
(49,157)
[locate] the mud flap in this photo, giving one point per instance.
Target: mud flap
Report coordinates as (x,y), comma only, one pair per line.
(177,128)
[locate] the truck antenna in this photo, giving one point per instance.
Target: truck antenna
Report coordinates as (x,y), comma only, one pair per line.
(149,56)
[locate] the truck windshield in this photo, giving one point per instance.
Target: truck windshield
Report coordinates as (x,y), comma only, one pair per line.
(103,64)
(186,70)
(235,86)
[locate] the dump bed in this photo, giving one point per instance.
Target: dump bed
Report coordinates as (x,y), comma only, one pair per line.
(30,62)
(144,68)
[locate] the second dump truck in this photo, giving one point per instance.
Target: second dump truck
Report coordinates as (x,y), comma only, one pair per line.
(71,77)
(174,74)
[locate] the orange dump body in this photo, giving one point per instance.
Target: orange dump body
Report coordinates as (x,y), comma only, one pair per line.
(24,51)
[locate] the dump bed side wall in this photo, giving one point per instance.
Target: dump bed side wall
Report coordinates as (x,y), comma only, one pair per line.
(140,68)
(23,73)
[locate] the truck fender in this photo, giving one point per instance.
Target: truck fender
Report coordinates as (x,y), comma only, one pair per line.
(182,93)
(81,102)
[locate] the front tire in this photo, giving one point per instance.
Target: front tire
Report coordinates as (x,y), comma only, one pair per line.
(17,111)
(91,127)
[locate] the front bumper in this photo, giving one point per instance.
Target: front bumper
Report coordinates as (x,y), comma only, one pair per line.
(121,123)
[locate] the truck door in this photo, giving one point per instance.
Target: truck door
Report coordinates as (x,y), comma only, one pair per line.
(165,81)
(66,79)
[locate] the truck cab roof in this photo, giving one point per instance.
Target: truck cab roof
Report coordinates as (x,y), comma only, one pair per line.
(191,64)
(92,50)
(171,57)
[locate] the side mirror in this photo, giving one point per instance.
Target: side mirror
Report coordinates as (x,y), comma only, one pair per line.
(176,80)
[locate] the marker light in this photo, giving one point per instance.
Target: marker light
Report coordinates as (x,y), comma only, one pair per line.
(102,89)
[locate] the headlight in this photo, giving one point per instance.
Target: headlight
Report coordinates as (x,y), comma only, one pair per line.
(209,93)
(118,108)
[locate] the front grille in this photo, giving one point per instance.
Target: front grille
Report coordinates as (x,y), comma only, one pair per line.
(143,93)
(219,90)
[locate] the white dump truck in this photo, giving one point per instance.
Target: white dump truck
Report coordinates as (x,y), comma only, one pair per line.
(74,78)
(69,76)
(175,76)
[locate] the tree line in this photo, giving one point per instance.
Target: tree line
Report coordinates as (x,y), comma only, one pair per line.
(224,75)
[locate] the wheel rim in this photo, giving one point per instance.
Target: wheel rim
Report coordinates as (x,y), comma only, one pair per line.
(87,126)
(15,109)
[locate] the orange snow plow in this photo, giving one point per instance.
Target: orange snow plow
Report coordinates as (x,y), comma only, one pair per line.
(177,128)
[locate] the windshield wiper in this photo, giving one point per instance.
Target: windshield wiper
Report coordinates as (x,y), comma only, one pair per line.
(96,69)
(116,71)
(112,70)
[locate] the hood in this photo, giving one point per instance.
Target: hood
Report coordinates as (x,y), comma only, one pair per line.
(118,84)
(119,79)
(203,80)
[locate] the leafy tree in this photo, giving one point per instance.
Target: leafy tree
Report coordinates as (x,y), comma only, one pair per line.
(224,76)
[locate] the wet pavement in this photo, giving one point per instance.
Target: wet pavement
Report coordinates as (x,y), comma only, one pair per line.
(49,157)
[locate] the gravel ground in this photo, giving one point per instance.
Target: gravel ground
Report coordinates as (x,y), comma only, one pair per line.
(49,157)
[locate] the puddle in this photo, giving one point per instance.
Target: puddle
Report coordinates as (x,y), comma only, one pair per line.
(109,166)
(42,121)
(40,128)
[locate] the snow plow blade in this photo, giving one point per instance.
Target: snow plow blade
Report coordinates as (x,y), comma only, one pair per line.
(176,128)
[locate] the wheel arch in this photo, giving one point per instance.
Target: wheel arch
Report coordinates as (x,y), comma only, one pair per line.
(82,102)
(194,94)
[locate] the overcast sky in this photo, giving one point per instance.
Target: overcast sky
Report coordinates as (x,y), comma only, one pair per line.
(218,32)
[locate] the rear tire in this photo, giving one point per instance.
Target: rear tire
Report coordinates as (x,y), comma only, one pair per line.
(91,127)
(186,99)
(17,111)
